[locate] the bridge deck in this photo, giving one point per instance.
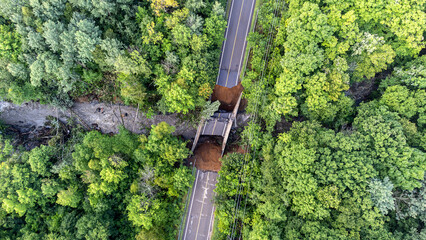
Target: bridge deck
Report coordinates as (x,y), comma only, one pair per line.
(200,218)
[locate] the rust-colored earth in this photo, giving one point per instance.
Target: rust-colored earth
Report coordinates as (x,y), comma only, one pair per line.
(236,149)
(208,157)
(228,97)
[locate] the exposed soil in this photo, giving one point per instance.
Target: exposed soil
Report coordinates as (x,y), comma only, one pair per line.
(235,148)
(228,97)
(93,115)
(243,104)
(82,99)
(207,156)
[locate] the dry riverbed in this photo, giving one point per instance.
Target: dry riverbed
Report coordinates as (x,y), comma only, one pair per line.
(105,117)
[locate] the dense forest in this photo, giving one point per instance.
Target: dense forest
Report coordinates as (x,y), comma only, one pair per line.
(338,139)
(159,55)
(336,145)
(94,186)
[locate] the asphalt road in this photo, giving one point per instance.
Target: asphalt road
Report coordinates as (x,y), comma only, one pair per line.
(199,221)
(240,16)
(200,216)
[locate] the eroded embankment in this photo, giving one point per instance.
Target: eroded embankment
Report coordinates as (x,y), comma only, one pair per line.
(228,97)
(207,156)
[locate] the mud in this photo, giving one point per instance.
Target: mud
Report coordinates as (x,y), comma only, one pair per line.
(235,148)
(207,156)
(94,115)
(228,97)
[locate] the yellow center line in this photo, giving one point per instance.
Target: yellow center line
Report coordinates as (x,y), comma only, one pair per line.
(214,126)
(202,205)
(233,46)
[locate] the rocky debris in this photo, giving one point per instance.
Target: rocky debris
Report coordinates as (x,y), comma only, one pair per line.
(93,115)
(53,132)
(242,119)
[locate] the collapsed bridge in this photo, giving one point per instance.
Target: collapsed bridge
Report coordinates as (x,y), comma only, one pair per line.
(231,60)
(198,222)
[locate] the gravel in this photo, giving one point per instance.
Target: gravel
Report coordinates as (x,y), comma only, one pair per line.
(105,117)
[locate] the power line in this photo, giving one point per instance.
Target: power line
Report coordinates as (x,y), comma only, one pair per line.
(280,8)
(255,115)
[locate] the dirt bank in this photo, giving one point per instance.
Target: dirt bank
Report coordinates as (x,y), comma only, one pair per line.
(228,97)
(105,117)
(207,157)
(235,148)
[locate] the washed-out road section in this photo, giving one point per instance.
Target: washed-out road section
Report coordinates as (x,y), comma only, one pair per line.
(200,216)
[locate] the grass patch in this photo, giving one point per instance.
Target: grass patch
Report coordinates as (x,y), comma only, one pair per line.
(228,9)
